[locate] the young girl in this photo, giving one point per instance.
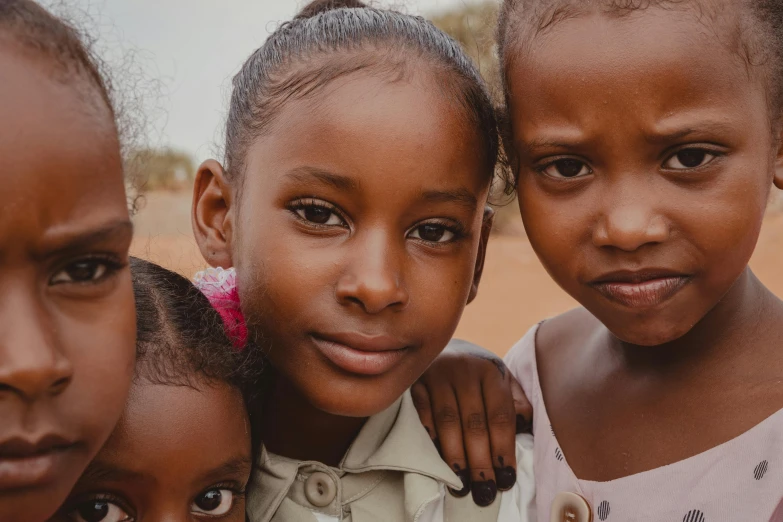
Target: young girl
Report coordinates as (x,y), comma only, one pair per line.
(646,139)
(361,145)
(181,450)
(66,303)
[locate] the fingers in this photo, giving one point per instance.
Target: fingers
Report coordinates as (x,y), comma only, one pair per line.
(522,407)
(421,401)
(501,421)
(477,444)
(448,428)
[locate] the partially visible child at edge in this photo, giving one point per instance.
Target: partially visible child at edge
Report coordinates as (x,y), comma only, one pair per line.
(182,448)
(67,322)
(646,142)
(361,146)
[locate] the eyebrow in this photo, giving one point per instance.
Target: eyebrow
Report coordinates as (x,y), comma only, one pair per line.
(665,136)
(552,143)
(235,466)
(99,472)
(459,196)
(74,241)
(312,174)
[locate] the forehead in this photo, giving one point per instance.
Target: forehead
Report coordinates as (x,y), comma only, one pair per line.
(59,152)
(657,61)
(184,423)
(400,130)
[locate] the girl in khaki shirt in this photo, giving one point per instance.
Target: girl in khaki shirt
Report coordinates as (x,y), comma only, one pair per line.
(361,145)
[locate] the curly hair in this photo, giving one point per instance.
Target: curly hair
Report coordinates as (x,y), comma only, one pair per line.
(180,338)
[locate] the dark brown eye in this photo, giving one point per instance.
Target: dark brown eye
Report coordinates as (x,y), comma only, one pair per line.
(213,502)
(432,233)
(83,271)
(99,511)
(319,215)
(689,159)
(566,168)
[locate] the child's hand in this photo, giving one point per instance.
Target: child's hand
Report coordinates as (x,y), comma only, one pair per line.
(473,408)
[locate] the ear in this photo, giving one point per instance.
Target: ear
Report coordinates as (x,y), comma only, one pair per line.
(486,229)
(211,214)
(778,177)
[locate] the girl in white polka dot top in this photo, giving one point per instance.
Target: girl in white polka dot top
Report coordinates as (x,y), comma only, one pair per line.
(646,138)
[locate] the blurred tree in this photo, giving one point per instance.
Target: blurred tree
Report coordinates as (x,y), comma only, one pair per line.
(473,26)
(160,169)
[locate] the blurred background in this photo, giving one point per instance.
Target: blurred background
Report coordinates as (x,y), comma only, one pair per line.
(172,62)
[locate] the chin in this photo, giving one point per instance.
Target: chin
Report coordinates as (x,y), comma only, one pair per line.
(358,404)
(654,332)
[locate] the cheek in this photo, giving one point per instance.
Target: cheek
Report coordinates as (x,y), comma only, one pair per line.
(555,228)
(100,343)
(725,223)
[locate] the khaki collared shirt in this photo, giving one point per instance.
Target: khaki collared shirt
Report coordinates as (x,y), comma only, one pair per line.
(392,472)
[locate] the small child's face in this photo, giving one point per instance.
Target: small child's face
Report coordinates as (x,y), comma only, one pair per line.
(67,318)
(178,454)
(357,237)
(646,160)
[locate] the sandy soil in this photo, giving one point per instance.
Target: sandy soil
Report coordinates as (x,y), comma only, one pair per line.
(515,292)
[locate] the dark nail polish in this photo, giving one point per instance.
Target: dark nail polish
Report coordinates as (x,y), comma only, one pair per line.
(523,425)
(464,476)
(484,492)
(506,477)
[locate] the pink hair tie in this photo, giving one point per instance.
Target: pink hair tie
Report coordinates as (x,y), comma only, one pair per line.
(220,287)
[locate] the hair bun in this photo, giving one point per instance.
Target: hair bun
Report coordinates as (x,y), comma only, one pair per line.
(321,6)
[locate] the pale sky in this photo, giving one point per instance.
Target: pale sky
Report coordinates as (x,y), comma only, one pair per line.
(191,49)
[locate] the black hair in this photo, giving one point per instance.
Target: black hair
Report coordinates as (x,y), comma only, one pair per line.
(320,44)
(757,31)
(37,30)
(180,339)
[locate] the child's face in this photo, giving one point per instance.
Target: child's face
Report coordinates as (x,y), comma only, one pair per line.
(646,160)
(357,237)
(67,319)
(178,454)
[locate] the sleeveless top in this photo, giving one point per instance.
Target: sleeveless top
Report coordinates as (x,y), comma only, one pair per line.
(738,481)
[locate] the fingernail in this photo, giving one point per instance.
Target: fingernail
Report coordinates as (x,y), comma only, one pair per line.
(464,476)
(523,425)
(506,477)
(484,492)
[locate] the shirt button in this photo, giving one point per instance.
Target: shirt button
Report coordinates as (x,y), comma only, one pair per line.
(320,489)
(570,507)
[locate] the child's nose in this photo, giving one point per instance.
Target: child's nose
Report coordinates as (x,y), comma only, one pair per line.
(31,365)
(373,277)
(629,226)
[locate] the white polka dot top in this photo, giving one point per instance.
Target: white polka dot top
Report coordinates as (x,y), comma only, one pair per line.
(738,481)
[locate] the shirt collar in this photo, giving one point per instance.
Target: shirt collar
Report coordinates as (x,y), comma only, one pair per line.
(393,440)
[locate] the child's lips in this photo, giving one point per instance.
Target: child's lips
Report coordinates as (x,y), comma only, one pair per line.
(641,289)
(25,463)
(361,354)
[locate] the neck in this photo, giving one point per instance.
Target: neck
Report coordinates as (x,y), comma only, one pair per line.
(746,316)
(292,427)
